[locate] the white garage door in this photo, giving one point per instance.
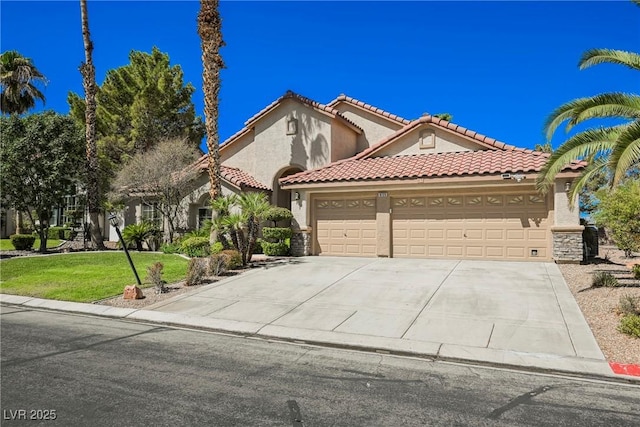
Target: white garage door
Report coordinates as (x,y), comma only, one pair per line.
(510,227)
(346,226)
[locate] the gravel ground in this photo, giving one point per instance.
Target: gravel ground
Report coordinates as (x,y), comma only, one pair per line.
(600,305)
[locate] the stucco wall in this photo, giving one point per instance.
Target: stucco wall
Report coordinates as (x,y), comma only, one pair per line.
(563,215)
(444,142)
(299,209)
(343,141)
(272,149)
(241,154)
(375,127)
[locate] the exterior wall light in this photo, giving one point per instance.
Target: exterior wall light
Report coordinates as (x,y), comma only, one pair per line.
(567,186)
(296,195)
(518,177)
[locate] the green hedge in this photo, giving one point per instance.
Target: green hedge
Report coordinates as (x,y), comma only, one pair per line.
(23,242)
(196,246)
(275,249)
(60,233)
(276,233)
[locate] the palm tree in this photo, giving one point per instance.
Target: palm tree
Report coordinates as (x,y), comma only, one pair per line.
(254,206)
(210,31)
(88,71)
(615,149)
(18,77)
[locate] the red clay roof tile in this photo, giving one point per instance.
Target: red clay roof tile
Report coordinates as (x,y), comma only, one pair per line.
(234,176)
(463,163)
(344,98)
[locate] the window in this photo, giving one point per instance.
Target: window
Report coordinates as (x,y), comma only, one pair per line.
(151,213)
(71,210)
(204,214)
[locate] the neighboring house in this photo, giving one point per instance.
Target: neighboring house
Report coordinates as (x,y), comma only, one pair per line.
(363,182)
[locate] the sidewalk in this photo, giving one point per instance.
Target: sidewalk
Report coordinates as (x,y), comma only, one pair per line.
(331,309)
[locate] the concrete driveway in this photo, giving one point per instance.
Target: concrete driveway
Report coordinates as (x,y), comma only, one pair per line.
(483,310)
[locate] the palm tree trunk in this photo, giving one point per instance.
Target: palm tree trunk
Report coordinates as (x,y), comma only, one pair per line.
(210,31)
(88,71)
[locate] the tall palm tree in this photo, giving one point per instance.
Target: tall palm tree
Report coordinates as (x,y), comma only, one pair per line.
(615,149)
(210,31)
(88,71)
(18,78)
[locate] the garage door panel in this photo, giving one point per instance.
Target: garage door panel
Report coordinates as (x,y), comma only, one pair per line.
(346,226)
(482,226)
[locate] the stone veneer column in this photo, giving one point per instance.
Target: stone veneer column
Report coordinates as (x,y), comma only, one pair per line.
(301,242)
(383,224)
(567,244)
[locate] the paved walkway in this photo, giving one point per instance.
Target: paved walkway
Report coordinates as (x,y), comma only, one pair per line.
(507,313)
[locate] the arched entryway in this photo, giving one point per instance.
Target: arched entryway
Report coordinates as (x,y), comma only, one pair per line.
(282,197)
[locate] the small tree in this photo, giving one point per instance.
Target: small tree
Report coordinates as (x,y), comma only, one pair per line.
(163,175)
(242,228)
(619,211)
(42,155)
(277,236)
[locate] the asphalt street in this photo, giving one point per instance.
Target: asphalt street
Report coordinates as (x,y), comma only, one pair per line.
(84,370)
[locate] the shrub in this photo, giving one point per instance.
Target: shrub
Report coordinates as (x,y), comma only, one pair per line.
(154,276)
(60,233)
(216,248)
(22,242)
(170,248)
(276,233)
(630,325)
(136,233)
(276,214)
(629,305)
(196,271)
(235,259)
(636,271)
(275,249)
(218,264)
(195,246)
(604,278)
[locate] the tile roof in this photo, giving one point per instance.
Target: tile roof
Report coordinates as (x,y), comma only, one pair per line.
(235,176)
(433,165)
(483,140)
(344,98)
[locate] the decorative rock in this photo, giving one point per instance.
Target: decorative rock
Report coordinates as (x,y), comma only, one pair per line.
(132,292)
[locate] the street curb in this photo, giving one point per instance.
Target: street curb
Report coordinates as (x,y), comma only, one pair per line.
(590,368)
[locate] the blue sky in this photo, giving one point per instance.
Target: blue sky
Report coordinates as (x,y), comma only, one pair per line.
(498,67)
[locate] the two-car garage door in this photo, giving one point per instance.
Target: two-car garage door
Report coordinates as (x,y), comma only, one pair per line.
(486,226)
(512,227)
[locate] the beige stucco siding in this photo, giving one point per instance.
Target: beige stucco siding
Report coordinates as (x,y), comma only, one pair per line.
(375,128)
(563,215)
(427,139)
(241,154)
(272,149)
(343,141)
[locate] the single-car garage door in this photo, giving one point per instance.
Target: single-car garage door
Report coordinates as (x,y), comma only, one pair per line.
(488,226)
(346,226)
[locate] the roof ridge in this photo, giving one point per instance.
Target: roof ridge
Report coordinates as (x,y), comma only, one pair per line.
(372,108)
(429,119)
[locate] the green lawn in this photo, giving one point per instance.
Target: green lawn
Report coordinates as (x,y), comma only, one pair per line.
(5,244)
(82,277)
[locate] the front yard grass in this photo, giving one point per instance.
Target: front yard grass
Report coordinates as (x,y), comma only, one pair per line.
(82,277)
(5,244)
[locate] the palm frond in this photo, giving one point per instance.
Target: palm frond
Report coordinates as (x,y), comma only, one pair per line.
(592,142)
(615,104)
(626,153)
(594,168)
(612,56)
